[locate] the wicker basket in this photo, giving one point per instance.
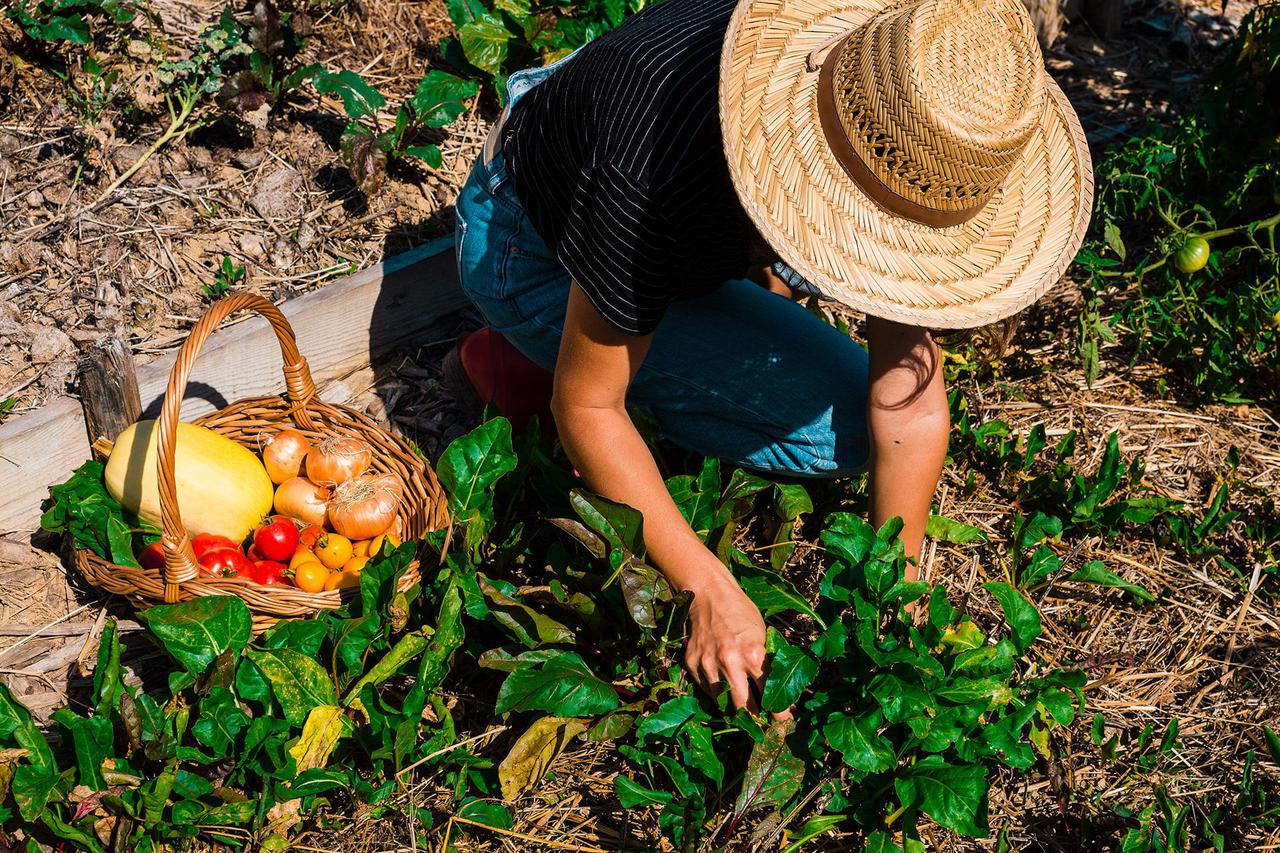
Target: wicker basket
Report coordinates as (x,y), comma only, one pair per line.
(424,506)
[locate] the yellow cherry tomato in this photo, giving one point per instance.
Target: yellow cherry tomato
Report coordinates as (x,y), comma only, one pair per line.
(333,550)
(361,548)
(342,580)
(375,544)
(302,555)
(311,577)
(355,564)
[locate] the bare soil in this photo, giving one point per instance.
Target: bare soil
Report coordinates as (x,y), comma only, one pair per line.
(276,199)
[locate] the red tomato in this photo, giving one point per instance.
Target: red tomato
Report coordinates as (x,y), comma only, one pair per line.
(307,538)
(225,563)
(206,542)
(276,540)
(269,572)
(152,556)
(253,554)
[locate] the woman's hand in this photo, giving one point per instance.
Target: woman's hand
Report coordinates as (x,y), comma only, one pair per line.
(726,639)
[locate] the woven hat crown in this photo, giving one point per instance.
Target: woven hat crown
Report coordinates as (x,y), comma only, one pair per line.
(937,99)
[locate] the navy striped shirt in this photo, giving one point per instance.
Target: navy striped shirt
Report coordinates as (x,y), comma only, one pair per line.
(618,160)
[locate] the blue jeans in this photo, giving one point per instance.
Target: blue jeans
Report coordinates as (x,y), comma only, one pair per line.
(741,373)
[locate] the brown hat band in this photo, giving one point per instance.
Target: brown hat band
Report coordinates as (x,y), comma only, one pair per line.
(855,168)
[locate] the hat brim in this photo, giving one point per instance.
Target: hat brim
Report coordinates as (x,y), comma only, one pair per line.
(835,235)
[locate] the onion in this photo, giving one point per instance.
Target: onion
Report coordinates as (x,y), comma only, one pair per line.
(284,454)
(337,459)
(365,507)
(302,499)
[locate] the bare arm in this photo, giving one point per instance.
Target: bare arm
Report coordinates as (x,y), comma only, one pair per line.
(909,424)
(595,366)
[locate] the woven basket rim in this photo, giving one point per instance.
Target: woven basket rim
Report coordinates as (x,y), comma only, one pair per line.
(827,227)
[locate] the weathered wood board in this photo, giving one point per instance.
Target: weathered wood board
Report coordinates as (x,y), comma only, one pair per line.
(339,327)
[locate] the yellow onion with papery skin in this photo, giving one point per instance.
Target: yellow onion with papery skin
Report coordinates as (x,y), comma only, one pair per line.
(365,507)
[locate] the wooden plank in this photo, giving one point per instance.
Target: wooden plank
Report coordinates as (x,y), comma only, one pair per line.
(37,450)
(108,388)
(340,327)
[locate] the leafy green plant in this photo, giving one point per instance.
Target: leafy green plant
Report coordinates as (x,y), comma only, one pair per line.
(84,510)
(496,39)
(1214,177)
(68,20)
(895,721)
(369,145)
(285,718)
(228,276)
(6,407)
(912,717)
(268,72)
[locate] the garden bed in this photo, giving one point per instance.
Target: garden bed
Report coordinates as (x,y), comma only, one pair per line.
(1159,585)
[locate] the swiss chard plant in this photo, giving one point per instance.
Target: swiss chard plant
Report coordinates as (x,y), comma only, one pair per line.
(370,142)
(504,36)
(246,730)
(70,20)
(903,709)
(269,70)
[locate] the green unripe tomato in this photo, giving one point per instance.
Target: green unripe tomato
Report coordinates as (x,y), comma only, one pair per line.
(1193,255)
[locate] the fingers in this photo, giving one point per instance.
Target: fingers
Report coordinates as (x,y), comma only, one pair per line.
(711,673)
(738,680)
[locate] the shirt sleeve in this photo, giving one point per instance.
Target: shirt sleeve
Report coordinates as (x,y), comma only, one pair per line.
(621,243)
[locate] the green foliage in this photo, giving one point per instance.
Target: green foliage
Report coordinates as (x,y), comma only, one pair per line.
(1214,174)
(894,721)
(229,275)
(1057,500)
(267,72)
(503,36)
(244,720)
(69,20)
(368,145)
(82,508)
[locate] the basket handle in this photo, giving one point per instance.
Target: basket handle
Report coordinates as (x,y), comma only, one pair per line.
(179,558)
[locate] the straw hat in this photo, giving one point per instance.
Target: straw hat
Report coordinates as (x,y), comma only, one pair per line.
(911,159)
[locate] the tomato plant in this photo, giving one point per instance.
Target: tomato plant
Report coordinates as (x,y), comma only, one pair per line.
(1162,197)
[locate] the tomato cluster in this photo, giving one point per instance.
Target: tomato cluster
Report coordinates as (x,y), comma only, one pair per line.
(312,559)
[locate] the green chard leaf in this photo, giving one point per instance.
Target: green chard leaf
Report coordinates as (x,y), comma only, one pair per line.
(856,739)
(773,774)
(83,508)
(1095,572)
(955,532)
(563,685)
(1022,616)
(297,680)
(468,470)
(359,99)
(621,526)
(954,795)
(790,672)
(196,632)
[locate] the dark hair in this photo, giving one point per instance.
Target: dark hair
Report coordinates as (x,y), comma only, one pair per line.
(991,341)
